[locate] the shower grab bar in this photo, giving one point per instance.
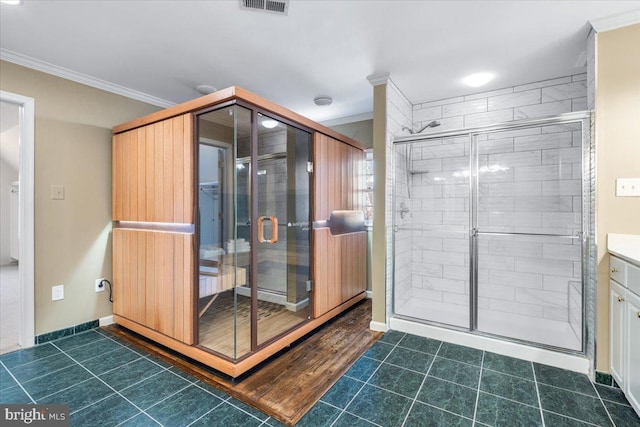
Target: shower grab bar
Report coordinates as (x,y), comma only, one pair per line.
(274,229)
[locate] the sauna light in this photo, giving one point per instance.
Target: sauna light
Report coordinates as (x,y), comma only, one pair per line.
(478,79)
(11,2)
(269,124)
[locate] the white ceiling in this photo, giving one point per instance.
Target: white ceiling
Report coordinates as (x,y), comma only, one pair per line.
(166,48)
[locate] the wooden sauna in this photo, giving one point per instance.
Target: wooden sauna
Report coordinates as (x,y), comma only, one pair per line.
(238,227)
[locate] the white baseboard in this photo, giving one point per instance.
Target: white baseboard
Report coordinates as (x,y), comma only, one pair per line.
(107,320)
(378,326)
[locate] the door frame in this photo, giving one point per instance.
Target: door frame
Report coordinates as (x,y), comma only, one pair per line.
(26,116)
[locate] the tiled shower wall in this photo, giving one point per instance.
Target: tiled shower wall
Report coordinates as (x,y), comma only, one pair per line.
(533,194)
(399,113)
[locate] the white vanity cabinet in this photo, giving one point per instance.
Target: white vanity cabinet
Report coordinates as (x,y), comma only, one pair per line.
(624,305)
(632,314)
(617,334)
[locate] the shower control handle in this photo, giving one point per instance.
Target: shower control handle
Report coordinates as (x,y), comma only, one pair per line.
(614,270)
(620,299)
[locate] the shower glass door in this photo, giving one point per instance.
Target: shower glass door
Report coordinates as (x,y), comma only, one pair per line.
(283,183)
(528,212)
(431,230)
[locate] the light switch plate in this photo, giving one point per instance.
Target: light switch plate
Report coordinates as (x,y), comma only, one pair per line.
(57,192)
(57,292)
(628,187)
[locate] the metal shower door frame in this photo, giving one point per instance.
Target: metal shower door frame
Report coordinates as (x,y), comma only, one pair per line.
(587,234)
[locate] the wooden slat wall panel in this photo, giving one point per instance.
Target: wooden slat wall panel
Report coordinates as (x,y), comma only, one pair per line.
(153,173)
(339,177)
(339,261)
(153,280)
(339,268)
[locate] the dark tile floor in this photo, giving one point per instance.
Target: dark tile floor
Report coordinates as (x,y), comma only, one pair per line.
(403,380)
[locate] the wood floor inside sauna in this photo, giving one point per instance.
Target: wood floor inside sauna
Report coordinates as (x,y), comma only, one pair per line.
(220,323)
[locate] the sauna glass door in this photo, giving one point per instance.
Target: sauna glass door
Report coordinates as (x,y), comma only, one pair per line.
(282,225)
(224,230)
(253,229)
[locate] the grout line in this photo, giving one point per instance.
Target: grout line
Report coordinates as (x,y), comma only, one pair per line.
(602,403)
(93,403)
(572,418)
(206,413)
(17,382)
(66,388)
(570,391)
(475,408)
(426,374)
(32,361)
(118,367)
(511,375)
(116,391)
(538,394)
(367,381)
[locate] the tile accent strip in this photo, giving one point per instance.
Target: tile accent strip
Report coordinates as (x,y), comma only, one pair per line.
(71,330)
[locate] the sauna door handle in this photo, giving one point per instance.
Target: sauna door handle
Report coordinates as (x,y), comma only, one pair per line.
(274,229)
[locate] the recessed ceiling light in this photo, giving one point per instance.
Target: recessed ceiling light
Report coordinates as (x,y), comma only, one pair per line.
(478,79)
(205,89)
(269,124)
(323,101)
(11,2)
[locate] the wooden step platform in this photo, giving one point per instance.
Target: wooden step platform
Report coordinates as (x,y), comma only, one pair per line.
(288,384)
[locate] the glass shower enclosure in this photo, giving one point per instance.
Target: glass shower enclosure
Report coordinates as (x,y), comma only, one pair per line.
(490,230)
(253,202)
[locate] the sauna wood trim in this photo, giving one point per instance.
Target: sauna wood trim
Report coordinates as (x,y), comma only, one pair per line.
(152,280)
(228,367)
(230,93)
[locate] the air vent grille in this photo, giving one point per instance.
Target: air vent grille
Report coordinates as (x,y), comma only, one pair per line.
(281,7)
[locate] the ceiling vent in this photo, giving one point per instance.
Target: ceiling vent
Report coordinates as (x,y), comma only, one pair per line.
(281,7)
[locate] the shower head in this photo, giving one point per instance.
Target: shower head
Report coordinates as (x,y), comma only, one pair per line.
(432,124)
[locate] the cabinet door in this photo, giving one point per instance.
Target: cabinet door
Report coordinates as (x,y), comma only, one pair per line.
(153,172)
(632,389)
(153,280)
(617,332)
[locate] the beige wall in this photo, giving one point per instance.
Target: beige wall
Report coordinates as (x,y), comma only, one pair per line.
(72,147)
(618,155)
(379,238)
(361,131)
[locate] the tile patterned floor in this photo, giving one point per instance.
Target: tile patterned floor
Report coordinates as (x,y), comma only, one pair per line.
(403,380)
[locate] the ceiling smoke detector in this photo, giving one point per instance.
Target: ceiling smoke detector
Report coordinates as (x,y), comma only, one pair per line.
(323,101)
(281,7)
(205,89)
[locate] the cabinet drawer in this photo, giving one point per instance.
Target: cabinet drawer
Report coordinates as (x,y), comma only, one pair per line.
(618,270)
(633,278)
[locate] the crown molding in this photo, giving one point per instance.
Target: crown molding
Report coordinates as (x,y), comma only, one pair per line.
(378,79)
(618,20)
(65,73)
(348,119)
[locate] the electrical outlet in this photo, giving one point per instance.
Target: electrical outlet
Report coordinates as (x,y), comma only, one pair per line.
(57,292)
(100,285)
(628,187)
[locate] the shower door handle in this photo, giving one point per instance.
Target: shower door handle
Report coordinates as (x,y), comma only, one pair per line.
(274,229)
